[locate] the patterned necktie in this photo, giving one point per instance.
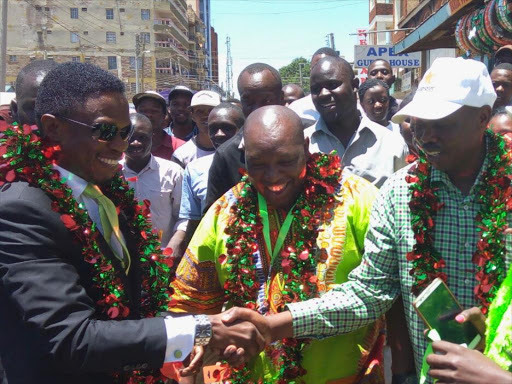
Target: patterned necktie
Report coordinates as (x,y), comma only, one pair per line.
(109,222)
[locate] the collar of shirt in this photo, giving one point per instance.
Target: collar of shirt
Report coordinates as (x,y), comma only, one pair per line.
(152,164)
(194,131)
(76,183)
(438,176)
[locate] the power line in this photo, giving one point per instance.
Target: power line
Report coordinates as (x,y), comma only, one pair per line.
(355,2)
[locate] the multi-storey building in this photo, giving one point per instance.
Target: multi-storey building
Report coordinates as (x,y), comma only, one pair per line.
(104,32)
(381,18)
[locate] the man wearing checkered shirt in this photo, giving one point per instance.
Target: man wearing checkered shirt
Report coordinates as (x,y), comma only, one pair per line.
(449,113)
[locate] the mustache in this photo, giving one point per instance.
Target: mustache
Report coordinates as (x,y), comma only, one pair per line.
(428,147)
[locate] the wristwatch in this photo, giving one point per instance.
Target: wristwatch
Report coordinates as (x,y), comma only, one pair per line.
(203,330)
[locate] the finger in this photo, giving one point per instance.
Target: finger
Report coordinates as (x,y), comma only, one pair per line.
(233,314)
(195,364)
(442,375)
(475,316)
(228,316)
(228,352)
(443,347)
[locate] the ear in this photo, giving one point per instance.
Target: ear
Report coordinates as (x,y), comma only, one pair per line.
(14,109)
(355,83)
(393,78)
(484,116)
(281,98)
(306,147)
(52,127)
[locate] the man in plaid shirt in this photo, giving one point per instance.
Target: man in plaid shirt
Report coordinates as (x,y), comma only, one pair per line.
(449,113)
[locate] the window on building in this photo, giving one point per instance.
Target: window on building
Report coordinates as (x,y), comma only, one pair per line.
(84,9)
(145,14)
(86,33)
(47,9)
(74,13)
(121,9)
(13,58)
(110,13)
(145,37)
(49,32)
(87,60)
(112,62)
(133,87)
(75,59)
(111,37)
(132,62)
(74,37)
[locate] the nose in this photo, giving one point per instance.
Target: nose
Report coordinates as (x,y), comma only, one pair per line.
(500,89)
(220,133)
(378,105)
(324,92)
(117,144)
(271,175)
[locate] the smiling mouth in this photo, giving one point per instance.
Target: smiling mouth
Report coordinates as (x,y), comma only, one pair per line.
(277,188)
(108,161)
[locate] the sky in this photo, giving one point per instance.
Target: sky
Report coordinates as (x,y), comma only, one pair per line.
(277,31)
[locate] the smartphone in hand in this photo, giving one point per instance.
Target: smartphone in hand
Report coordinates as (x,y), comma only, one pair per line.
(437,307)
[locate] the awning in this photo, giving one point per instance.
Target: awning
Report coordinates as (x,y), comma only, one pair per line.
(438,30)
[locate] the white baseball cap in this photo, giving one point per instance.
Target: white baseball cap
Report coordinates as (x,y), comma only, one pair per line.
(448,85)
(208,98)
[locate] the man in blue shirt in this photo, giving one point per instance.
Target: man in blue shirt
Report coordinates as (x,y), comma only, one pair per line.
(224,122)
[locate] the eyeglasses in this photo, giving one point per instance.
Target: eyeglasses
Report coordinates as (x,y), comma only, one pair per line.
(105,131)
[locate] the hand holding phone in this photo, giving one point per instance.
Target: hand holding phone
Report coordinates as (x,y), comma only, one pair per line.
(438,307)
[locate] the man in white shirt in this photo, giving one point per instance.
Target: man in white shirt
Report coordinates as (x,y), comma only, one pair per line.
(157,180)
(366,148)
(200,145)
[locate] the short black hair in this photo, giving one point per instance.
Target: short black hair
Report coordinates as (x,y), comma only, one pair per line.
(505,66)
(338,60)
(328,51)
(71,84)
(139,118)
(33,69)
(370,83)
(258,68)
(240,119)
(383,60)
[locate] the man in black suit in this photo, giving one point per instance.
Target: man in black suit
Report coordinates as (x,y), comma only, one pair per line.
(54,323)
(259,85)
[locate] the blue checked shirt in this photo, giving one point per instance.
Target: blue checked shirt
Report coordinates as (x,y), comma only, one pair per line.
(384,271)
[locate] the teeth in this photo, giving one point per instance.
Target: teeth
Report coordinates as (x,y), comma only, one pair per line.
(277,188)
(108,161)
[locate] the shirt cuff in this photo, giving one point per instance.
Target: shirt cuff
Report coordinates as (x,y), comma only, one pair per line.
(181,225)
(180,337)
(303,317)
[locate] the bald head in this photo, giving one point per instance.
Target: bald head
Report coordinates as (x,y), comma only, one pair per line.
(292,92)
(275,154)
(275,125)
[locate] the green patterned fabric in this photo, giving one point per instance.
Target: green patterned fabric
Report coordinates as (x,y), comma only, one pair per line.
(499,326)
(384,272)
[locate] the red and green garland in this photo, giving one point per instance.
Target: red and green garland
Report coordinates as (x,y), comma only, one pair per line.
(25,157)
(495,193)
(298,261)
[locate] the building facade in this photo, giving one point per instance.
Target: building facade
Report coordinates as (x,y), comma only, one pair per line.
(126,37)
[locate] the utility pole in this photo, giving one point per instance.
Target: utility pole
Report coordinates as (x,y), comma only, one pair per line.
(3,46)
(329,40)
(301,65)
(137,53)
(229,68)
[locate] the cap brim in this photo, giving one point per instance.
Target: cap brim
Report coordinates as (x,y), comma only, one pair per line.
(138,97)
(421,109)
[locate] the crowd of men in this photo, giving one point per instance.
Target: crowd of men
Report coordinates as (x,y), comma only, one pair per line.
(279,238)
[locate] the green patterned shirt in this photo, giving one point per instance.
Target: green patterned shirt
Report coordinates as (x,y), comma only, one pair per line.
(384,271)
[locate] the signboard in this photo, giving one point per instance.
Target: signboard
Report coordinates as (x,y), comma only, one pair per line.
(406,82)
(364,55)
(361,36)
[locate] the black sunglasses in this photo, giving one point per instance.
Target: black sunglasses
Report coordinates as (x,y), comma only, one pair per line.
(105,131)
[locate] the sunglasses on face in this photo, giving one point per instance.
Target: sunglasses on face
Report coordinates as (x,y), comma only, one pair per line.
(105,131)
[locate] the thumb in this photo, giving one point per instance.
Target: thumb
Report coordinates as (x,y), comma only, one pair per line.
(232,315)
(473,315)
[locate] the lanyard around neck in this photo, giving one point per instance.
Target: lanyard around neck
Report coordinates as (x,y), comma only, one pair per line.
(283,232)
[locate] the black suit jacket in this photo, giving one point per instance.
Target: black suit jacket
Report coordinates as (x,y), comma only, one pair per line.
(49,328)
(225,169)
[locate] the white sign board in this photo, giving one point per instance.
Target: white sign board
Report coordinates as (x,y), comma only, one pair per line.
(364,55)
(406,82)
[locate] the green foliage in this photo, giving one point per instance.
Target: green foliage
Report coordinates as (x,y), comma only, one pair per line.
(290,73)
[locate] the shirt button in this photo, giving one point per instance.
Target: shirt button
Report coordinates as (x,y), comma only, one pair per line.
(467,281)
(466,207)
(178,354)
(467,245)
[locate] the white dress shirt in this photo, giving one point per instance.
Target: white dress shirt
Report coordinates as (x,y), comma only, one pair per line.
(160,183)
(180,330)
(374,152)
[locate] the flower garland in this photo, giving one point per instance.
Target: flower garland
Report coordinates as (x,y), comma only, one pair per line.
(298,260)
(24,156)
(495,193)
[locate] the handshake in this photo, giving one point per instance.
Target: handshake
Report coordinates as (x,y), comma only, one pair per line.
(239,334)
